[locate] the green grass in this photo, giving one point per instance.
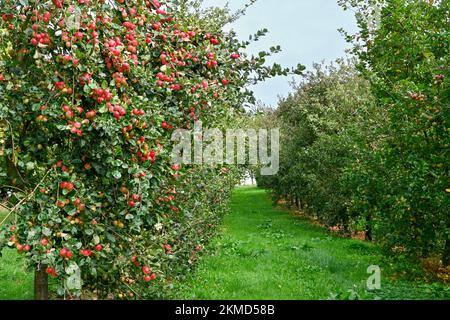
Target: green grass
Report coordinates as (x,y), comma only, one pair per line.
(266,253)
(15,282)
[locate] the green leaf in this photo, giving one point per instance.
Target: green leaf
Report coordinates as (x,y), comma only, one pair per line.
(72,267)
(46,232)
(74,282)
(116,174)
(95,239)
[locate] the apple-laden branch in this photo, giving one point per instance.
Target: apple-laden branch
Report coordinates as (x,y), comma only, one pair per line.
(26,198)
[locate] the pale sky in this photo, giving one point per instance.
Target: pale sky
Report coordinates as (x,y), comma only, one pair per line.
(306,30)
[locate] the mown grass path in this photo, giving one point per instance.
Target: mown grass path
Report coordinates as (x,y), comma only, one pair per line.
(267,253)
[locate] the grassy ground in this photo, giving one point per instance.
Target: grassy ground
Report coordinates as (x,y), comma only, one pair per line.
(15,282)
(266,253)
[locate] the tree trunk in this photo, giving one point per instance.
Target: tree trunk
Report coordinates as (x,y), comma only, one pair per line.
(446,256)
(41,283)
(369,236)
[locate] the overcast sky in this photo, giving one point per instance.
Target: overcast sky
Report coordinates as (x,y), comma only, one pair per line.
(306,30)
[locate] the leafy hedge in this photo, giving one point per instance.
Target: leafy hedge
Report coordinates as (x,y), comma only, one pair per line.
(367,147)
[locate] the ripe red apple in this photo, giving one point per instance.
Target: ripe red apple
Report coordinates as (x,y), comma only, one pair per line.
(147,278)
(86,252)
(63,252)
(66,253)
(146,270)
(50,270)
(235,56)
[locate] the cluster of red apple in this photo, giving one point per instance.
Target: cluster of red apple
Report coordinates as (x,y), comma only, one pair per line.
(76,128)
(66,253)
(134,199)
(41,118)
(41,38)
(146,155)
(212,62)
(148,275)
(235,56)
(119,79)
(132,44)
(117,110)
(23,248)
(60,164)
(418,97)
(20,247)
(214,41)
(137,112)
(63,87)
(192,114)
(91,114)
(166,126)
(113,58)
(79,205)
(167,249)
(185,36)
(37,16)
(165,199)
(62,204)
(69,113)
(88,253)
(175,87)
(84,1)
(67,58)
(66,185)
(86,78)
(439,79)
(51,271)
(177,57)
(102,95)
(162,78)
(203,85)
(58,3)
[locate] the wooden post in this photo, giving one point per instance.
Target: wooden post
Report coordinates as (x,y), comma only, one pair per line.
(41,283)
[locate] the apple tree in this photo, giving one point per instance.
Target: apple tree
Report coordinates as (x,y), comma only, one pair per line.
(90,93)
